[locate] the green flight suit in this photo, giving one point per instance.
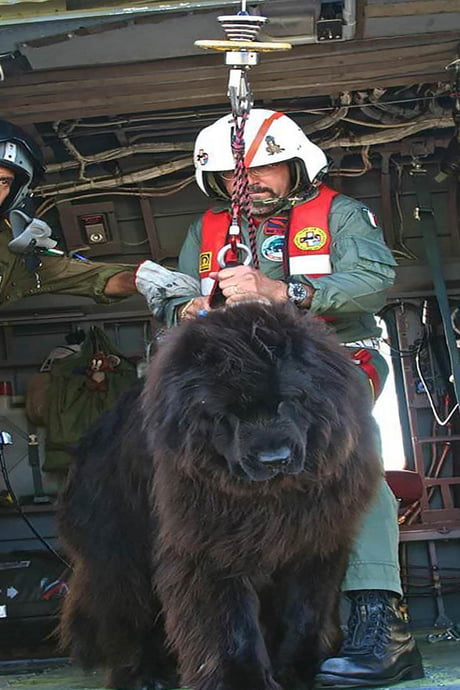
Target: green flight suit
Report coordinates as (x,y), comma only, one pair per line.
(56,274)
(362,271)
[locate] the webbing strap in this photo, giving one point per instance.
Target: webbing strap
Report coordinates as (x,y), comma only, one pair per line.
(363,358)
(425,214)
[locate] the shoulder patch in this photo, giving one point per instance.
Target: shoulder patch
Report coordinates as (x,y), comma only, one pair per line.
(310,239)
(273,248)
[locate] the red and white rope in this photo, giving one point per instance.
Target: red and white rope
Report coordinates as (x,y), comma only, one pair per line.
(240,200)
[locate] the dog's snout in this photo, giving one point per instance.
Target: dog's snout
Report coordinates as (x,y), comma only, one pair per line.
(275,456)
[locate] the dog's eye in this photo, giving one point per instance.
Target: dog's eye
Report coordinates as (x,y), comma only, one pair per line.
(289,409)
(285,407)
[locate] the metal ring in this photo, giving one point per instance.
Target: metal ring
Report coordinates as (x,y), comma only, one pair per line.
(226,247)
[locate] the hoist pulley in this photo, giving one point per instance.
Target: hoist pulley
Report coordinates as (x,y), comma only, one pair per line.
(241,52)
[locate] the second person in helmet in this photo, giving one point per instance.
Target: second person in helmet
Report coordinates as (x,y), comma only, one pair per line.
(21,167)
(324,252)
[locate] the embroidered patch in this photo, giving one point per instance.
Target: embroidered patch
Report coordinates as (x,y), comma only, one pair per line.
(276,225)
(202,157)
(272,147)
(310,239)
(272,248)
(371,217)
(205,262)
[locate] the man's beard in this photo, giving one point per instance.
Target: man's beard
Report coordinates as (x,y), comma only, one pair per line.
(264,207)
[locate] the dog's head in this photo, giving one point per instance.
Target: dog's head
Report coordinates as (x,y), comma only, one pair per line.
(261,439)
(256,390)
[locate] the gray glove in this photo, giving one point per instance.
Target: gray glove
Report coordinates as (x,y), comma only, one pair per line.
(158,283)
(29,233)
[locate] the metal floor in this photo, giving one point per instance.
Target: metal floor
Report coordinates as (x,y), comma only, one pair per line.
(441,660)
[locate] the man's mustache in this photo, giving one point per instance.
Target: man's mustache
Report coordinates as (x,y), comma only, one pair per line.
(258,189)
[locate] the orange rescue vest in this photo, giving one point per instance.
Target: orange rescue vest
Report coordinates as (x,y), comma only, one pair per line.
(308,242)
(307,239)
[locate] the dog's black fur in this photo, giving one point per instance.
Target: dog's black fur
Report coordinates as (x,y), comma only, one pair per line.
(219,506)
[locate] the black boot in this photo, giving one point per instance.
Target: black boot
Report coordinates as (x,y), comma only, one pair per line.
(378,649)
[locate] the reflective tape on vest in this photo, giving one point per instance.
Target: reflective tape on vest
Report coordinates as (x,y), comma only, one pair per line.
(207,285)
(310,265)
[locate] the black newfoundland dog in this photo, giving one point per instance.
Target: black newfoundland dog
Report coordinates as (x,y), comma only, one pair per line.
(209,517)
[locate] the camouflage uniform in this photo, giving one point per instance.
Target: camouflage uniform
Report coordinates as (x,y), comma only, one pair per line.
(55,274)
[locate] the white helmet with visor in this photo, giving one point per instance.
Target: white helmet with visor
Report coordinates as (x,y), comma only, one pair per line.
(270,137)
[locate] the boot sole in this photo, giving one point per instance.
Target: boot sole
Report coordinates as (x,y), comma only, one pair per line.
(329,681)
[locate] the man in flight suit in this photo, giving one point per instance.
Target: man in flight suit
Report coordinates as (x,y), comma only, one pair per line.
(324,252)
(20,168)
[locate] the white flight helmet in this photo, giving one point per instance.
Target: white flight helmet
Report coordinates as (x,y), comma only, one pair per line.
(270,137)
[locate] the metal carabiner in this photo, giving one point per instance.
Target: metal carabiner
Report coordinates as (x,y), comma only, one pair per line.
(222,252)
(239,91)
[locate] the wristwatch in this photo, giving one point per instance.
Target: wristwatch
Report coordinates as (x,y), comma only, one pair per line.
(298,292)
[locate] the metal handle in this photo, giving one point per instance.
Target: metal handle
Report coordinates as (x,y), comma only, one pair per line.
(221,255)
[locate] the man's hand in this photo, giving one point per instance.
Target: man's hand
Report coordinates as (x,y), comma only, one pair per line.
(192,309)
(120,285)
(240,283)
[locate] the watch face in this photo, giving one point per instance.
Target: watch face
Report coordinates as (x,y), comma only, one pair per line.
(297,292)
